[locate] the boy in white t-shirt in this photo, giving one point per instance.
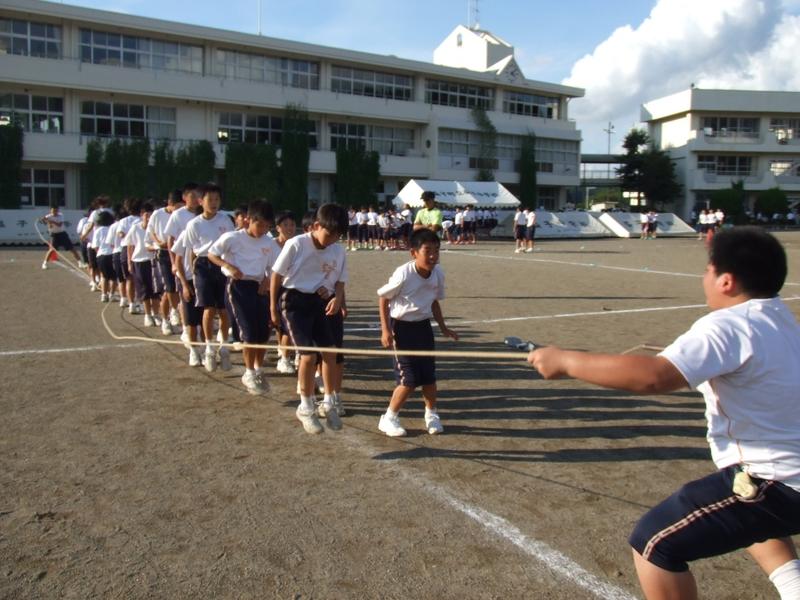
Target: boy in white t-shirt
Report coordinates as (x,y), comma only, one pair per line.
(312,267)
(209,280)
(407,303)
(248,255)
(743,357)
(59,238)
(190,313)
(141,248)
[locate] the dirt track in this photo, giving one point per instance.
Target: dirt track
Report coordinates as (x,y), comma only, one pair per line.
(127,474)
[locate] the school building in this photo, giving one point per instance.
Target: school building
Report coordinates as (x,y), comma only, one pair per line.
(719,137)
(73,74)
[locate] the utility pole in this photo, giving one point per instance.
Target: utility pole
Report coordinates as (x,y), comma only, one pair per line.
(610,131)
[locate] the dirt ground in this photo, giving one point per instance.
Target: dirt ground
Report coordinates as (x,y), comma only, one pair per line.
(127,474)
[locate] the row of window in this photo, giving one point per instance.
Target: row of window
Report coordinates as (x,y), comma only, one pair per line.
(738,166)
(395,141)
(121,50)
(127,120)
(42,187)
(42,114)
(730,126)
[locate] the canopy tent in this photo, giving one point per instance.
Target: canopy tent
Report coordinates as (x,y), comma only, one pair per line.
(456,193)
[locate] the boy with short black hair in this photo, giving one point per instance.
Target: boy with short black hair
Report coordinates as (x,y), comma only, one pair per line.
(162,265)
(312,267)
(248,255)
(407,303)
(743,358)
(59,238)
(209,280)
(141,248)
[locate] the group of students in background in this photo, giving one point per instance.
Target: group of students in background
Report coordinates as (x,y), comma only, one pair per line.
(218,279)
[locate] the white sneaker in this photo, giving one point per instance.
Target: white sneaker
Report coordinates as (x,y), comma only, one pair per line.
(92,286)
(210,360)
(114,297)
(518,250)
(187,343)
(165,327)
(337,403)
(103,297)
(195,360)
(251,382)
(44,266)
(136,309)
(391,426)
(149,321)
(328,411)
(529,250)
(263,383)
(123,302)
(285,367)
(174,318)
(309,420)
(224,359)
(432,423)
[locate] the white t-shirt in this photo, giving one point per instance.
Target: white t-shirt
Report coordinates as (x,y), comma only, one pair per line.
(469,216)
(55,223)
(458,218)
(372,218)
(113,239)
(744,360)
(361,218)
(254,257)
(100,241)
(643,218)
(406,214)
(531,220)
(180,248)
(178,221)
(81,225)
(306,268)
(125,225)
(157,225)
(352,218)
(142,243)
(521,217)
(202,232)
(410,295)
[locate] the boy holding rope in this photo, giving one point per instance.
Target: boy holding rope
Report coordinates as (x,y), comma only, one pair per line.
(743,357)
(407,303)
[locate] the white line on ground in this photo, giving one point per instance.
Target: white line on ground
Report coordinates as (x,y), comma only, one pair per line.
(550,558)
(79,274)
(73,349)
(583,264)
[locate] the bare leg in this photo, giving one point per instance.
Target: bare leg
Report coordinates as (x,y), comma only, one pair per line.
(660,584)
(773,553)
(399,397)
(429,395)
(305,374)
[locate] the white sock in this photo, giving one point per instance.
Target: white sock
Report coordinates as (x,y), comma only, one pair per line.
(307,403)
(391,413)
(786,580)
(328,398)
(249,371)
(429,411)
(257,369)
(208,348)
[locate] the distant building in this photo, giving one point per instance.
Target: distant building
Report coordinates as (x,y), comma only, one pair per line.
(718,137)
(72,74)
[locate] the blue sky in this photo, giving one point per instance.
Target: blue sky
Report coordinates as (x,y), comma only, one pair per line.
(623,52)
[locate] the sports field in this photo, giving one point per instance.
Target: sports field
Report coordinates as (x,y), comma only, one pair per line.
(125,473)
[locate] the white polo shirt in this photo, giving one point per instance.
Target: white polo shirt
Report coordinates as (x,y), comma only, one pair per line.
(180,248)
(201,233)
(51,220)
(100,241)
(157,225)
(531,220)
(254,257)
(744,360)
(521,217)
(178,221)
(306,268)
(141,242)
(410,295)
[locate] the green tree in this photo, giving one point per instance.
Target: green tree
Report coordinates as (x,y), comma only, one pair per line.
(251,172)
(731,202)
(357,176)
(95,169)
(11,150)
(195,162)
(114,170)
(165,174)
(772,201)
(527,172)
(136,169)
(487,144)
(295,154)
(647,171)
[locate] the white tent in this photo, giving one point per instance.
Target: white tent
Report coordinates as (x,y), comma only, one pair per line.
(457,193)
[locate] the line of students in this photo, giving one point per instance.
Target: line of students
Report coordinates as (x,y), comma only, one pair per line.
(194,266)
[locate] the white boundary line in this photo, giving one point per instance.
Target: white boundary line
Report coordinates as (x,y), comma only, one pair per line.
(75,349)
(583,264)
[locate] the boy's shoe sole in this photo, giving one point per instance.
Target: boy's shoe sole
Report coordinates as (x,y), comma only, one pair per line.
(310,422)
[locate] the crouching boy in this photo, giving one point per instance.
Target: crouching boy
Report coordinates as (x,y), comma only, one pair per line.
(743,357)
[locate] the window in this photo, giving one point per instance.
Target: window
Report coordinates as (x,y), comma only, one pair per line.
(42,187)
(29,38)
(785,129)
(395,141)
(345,80)
(255,67)
(784,168)
(250,128)
(43,114)
(518,103)
(127,120)
(107,48)
(449,93)
(730,127)
(460,149)
(736,166)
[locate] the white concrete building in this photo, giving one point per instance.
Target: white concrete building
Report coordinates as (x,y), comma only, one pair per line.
(718,137)
(73,73)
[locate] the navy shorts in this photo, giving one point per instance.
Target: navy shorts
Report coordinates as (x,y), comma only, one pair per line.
(92,258)
(352,232)
(209,284)
(85,252)
(519,232)
(705,518)
(250,311)
(192,315)
(530,233)
(61,240)
(120,266)
(106,265)
(305,318)
(165,278)
(414,371)
(143,280)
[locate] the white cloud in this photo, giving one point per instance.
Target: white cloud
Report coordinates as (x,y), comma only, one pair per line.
(752,44)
